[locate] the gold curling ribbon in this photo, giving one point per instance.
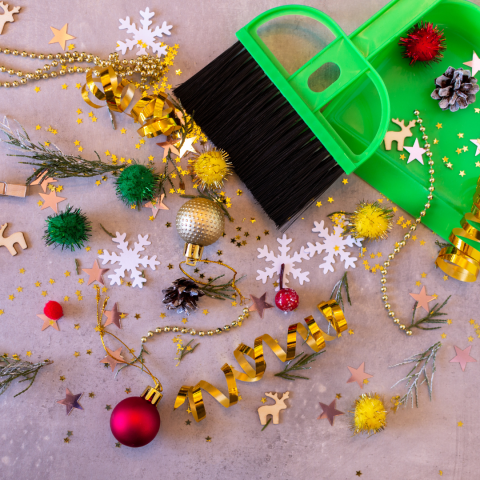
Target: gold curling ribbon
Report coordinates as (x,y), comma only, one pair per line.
(315,340)
(242,298)
(157,114)
(461,260)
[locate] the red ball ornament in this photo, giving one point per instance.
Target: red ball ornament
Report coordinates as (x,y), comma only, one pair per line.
(424,43)
(53,310)
(135,422)
(286,299)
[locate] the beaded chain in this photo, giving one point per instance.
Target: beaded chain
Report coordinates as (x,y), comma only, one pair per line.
(201,333)
(146,65)
(407,236)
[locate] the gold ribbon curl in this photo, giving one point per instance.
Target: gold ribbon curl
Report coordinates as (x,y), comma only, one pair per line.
(461,260)
(156,113)
(313,336)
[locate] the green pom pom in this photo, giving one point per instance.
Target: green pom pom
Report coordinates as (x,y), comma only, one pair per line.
(68,229)
(136,185)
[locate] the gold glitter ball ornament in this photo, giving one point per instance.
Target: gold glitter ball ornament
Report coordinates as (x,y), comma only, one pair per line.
(200,222)
(210,167)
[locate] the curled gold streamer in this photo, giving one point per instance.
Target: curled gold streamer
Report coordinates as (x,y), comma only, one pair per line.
(461,260)
(156,113)
(312,335)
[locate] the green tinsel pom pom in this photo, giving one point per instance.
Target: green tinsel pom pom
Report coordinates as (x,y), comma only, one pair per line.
(136,185)
(68,229)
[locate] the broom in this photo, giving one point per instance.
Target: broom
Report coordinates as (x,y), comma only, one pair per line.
(274,152)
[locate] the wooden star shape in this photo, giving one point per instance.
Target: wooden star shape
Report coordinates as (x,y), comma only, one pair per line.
(112,358)
(114,316)
(47,322)
(259,304)
(169,147)
(476,142)
(463,357)
(61,36)
(416,152)
(188,146)
(158,205)
(95,273)
(51,200)
(358,375)
(422,298)
(71,401)
(329,412)
(43,181)
(474,63)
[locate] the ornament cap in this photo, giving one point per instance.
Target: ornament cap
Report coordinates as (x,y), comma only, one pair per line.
(152,395)
(193,253)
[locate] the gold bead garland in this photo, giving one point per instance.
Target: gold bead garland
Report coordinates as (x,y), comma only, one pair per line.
(407,236)
(236,323)
(145,65)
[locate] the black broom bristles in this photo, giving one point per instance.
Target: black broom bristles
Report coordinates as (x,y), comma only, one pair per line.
(272,149)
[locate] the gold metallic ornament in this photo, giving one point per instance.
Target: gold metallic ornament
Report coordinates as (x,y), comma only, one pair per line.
(461,260)
(210,167)
(200,222)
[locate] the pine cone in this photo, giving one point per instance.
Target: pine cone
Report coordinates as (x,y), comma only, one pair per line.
(455,89)
(182,295)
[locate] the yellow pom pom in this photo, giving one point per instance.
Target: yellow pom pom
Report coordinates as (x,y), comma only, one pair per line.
(369,221)
(210,168)
(370,415)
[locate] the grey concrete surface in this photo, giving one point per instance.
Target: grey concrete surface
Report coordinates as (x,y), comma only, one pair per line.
(417,443)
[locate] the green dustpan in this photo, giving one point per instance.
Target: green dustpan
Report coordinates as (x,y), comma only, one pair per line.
(352,115)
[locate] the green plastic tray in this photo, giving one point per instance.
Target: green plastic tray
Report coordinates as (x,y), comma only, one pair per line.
(409,88)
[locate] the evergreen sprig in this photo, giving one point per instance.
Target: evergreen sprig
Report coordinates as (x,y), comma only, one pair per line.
(431,318)
(419,371)
(136,358)
(337,290)
(184,351)
(222,291)
(300,364)
(50,160)
(12,369)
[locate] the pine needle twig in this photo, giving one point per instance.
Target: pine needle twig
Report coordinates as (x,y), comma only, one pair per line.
(300,364)
(441,245)
(11,369)
(337,290)
(222,291)
(138,358)
(185,350)
(431,318)
(77,266)
(51,161)
(421,361)
(106,231)
(267,424)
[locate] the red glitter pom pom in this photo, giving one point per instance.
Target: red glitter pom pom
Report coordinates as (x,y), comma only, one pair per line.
(53,310)
(423,43)
(286,299)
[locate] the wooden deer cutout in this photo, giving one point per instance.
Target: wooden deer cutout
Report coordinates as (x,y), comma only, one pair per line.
(11,240)
(400,136)
(273,410)
(7,15)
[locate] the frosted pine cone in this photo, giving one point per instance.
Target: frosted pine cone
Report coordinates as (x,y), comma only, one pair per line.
(455,89)
(182,296)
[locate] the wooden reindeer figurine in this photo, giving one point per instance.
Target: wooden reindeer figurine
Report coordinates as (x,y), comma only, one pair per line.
(7,15)
(400,136)
(11,240)
(273,410)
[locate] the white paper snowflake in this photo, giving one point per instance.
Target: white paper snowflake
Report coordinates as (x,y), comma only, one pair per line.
(129,260)
(288,260)
(333,245)
(144,37)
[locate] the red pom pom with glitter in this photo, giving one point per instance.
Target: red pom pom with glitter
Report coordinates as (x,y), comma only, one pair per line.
(135,422)
(53,310)
(286,299)
(424,43)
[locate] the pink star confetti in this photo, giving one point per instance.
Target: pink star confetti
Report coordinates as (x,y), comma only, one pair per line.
(463,357)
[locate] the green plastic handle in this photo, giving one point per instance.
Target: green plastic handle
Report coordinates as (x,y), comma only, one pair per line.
(305,101)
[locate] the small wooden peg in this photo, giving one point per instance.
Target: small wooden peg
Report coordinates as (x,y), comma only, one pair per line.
(11,190)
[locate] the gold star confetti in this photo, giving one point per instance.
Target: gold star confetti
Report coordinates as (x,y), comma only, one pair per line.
(29,353)
(462,173)
(64,86)
(62,378)
(79,121)
(137,316)
(11,297)
(163,315)
(449,321)
(38,127)
(460,424)
(460,135)
(178,72)
(330,200)
(76,354)
(435,141)
(37,284)
(444,335)
(345,181)
(76,326)
(422,242)
(37,89)
(22,271)
(439,125)
(338,396)
(402,157)
(208,439)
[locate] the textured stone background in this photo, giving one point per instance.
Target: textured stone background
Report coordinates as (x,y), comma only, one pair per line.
(417,443)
